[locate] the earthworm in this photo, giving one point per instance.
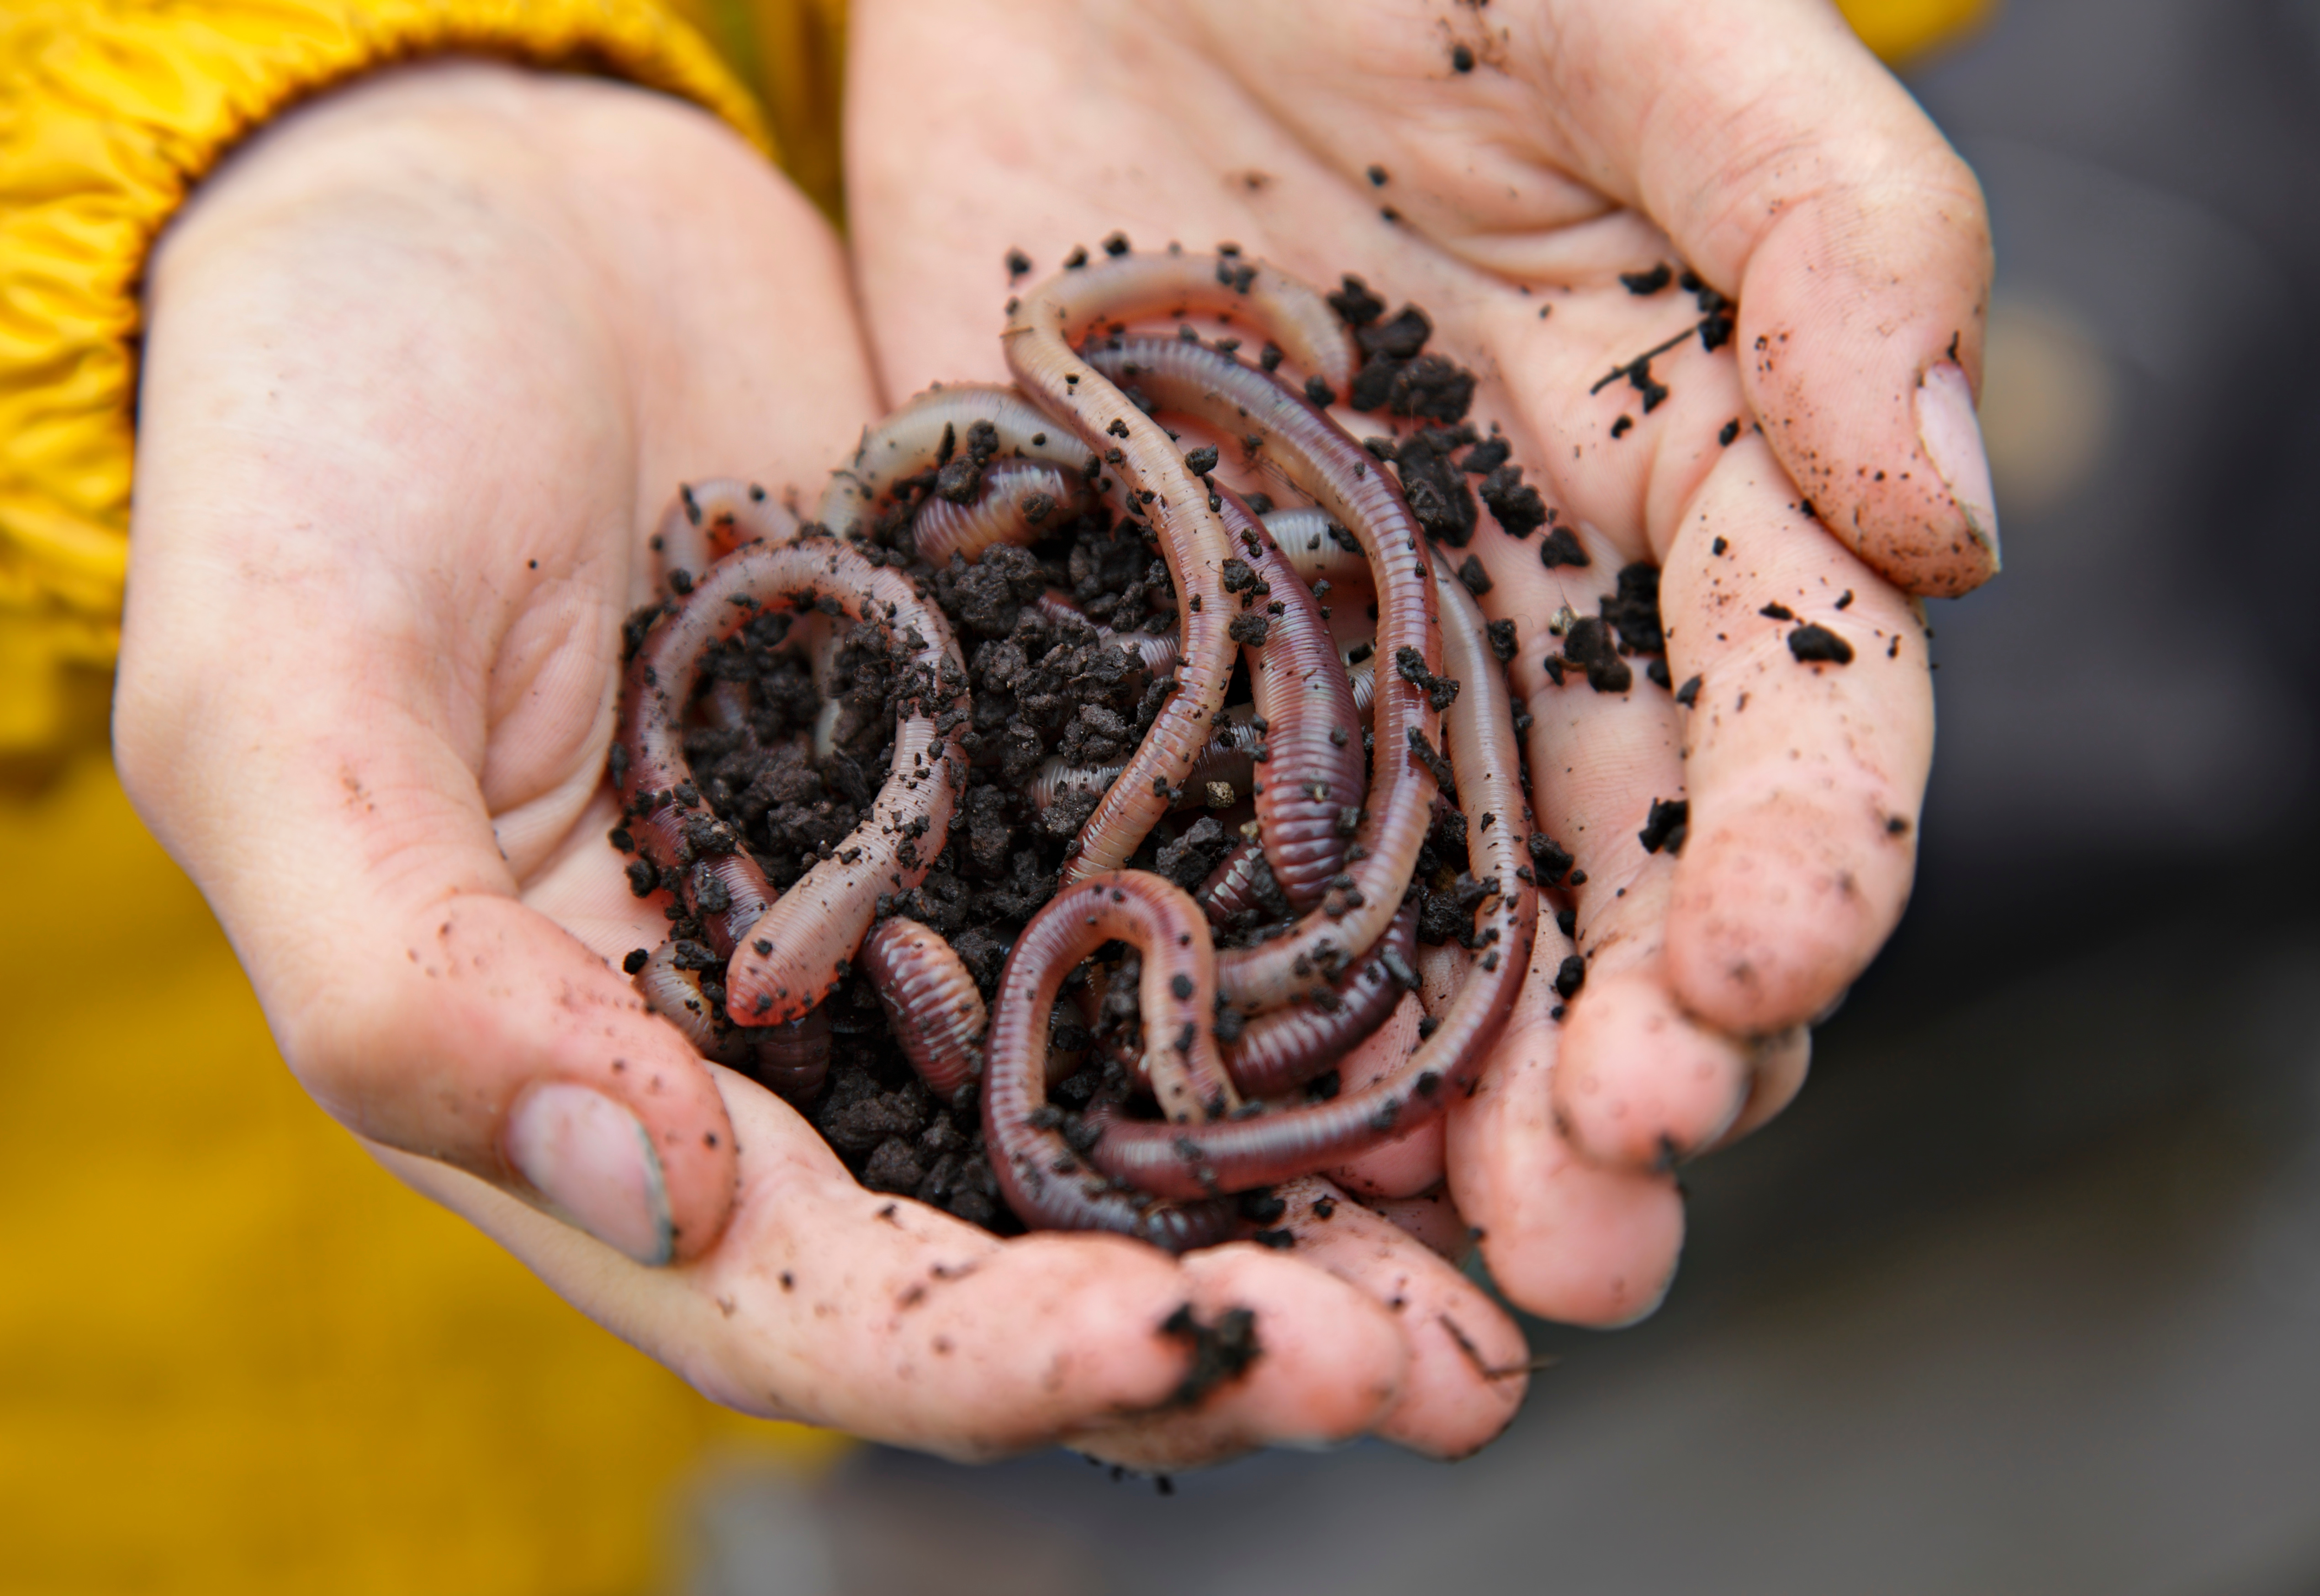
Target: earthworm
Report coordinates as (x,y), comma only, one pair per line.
(709,519)
(1312,779)
(795,949)
(1309,540)
(1441,971)
(1191,1160)
(1039,348)
(1284,1047)
(1043,1176)
(1231,890)
(927,433)
(932,1002)
(791,1059)
(1156,652)
(1229,756)
(1020,501)
(1240,400)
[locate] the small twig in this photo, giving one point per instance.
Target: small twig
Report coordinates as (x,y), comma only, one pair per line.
(1482,1366)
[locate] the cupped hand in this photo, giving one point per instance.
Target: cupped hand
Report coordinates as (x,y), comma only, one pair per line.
(424,362)
(1504,166)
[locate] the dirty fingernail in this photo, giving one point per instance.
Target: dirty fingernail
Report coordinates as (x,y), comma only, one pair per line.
(1952,436)
(595,1163)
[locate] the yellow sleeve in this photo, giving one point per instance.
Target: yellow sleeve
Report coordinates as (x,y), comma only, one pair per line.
(1901,29)
(114,110)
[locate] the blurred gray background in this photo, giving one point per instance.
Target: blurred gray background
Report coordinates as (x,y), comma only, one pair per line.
(2024,1295)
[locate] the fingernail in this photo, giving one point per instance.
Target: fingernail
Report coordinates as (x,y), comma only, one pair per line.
(1952,436)
(593,1162)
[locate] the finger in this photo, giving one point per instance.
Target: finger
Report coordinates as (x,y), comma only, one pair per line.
(1430,1218)
(1807,742)
(1564,1239)
(1469,1366)
(1783,1062)
(1641,1082)
(1408,1164)
(891,1320)
(1332,1365)
(1797,175)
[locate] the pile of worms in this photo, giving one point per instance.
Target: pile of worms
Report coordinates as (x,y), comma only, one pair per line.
(1187,787)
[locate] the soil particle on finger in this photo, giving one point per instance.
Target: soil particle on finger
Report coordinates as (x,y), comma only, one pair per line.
(1222,1350)
(1666,826)
(1817,646)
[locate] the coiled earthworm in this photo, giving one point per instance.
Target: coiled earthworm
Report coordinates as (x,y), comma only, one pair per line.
(932,1002)
(791,1059)
(1156,652)
(793,951)
(1189,1160)
(1284,1047)
(709,519)
(1042,1174)
(1241,401)
(1310,794)
(926,435)
(1038,346)
(1019,502)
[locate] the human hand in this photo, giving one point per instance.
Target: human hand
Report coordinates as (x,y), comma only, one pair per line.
(1530,154)
(424,363)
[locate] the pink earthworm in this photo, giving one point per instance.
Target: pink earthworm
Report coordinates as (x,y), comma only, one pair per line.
(1230,890)
(1019,502)
(709,519)
(1159,482)
(1308,795)
(1441,971)
(932,1002)
(1241,401)
(1237,1155)
(790,955)
(791,1059)
(1309,540)
(927,433)
(1229,756)
(1041,1173)
(1285,1048)
(1156,652)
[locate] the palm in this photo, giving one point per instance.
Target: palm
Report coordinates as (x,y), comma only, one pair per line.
(1333,140)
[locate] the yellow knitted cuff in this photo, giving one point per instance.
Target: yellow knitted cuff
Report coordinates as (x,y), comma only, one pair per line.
(114,110)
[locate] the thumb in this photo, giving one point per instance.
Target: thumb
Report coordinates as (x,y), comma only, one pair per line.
(1797,175)
(422,1003)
